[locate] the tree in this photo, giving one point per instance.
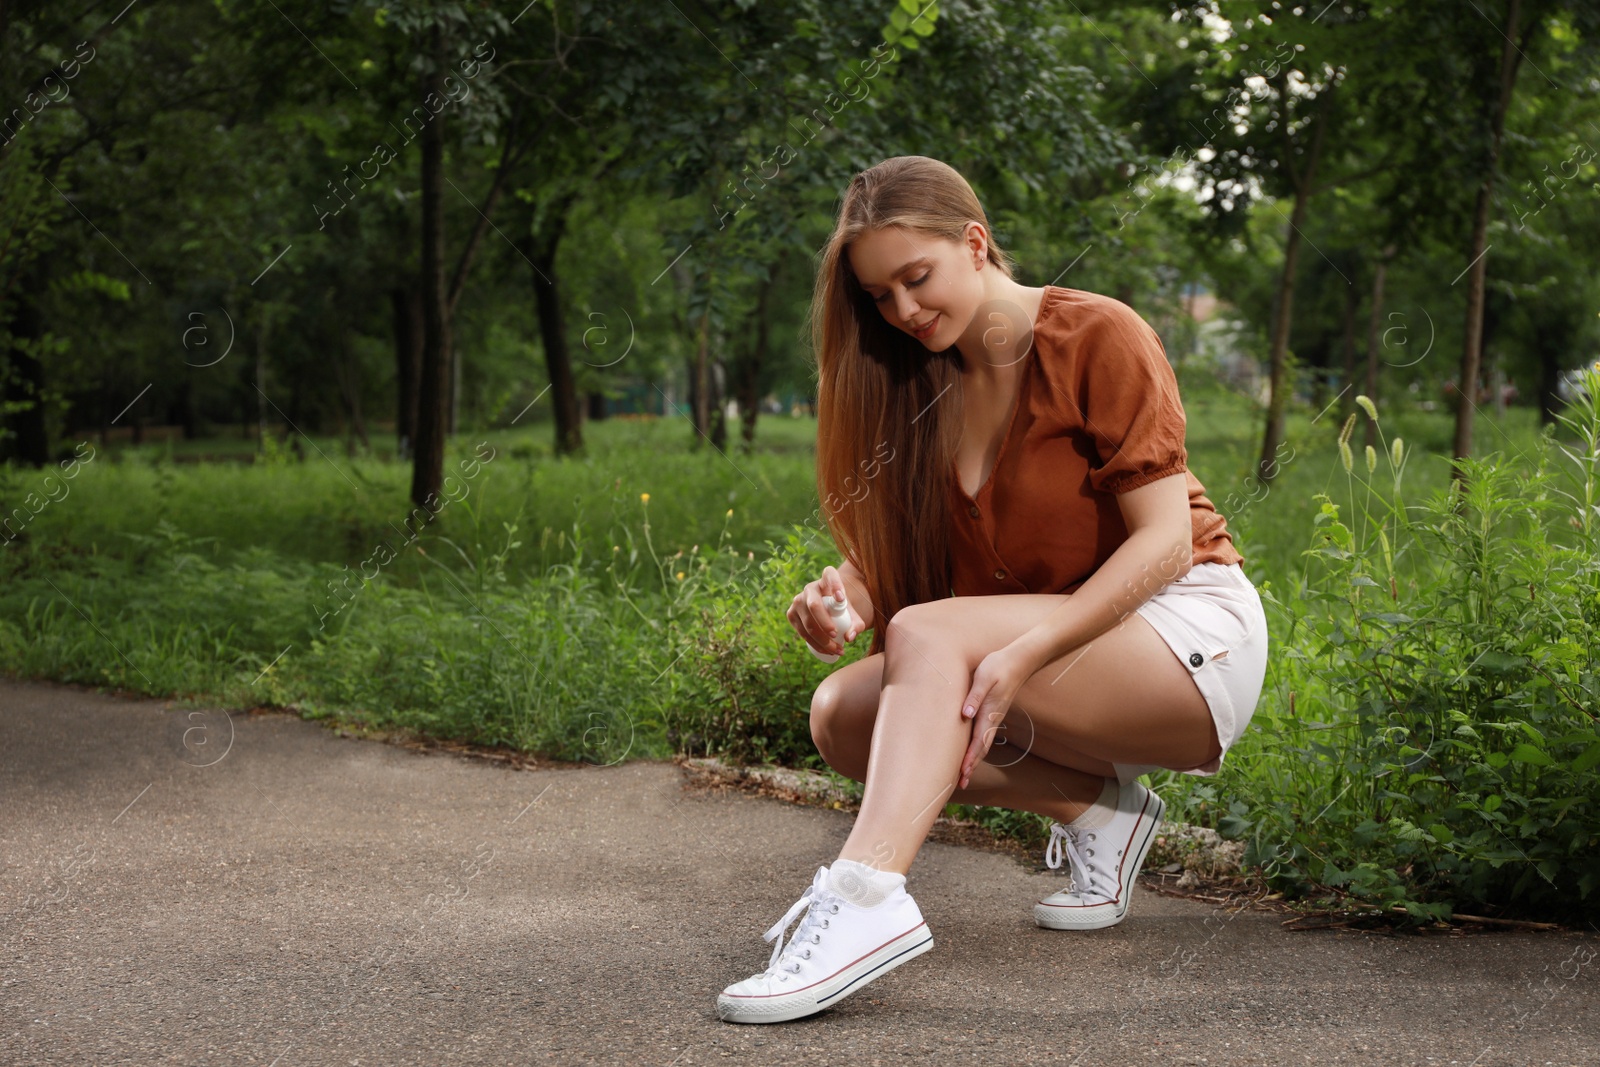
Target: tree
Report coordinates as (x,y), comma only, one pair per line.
(1478,59)
(441,31)
(1281,126)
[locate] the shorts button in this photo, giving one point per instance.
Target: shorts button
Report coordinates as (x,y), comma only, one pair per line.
(999,575)
(1195,659)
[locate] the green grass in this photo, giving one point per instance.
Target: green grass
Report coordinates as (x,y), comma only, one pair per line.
(335,508)
(1273,528)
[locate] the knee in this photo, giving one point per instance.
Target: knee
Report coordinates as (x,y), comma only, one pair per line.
(923,638)
(833,730)
(914,630)
(825,708)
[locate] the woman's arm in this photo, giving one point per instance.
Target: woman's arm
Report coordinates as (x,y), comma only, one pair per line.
(855,584)
(1159,549)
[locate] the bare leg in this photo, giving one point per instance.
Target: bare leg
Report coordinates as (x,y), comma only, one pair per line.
(1124,698)
(845,710)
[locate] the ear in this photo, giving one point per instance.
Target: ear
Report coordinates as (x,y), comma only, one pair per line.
(977,244)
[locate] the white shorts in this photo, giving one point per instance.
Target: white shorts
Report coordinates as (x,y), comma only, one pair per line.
(1213,621)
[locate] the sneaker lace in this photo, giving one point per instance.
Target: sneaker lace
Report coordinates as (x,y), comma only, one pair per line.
(1069,840)
(818,902)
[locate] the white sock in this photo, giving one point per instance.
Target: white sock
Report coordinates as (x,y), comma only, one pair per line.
(1101,811)
(862,885)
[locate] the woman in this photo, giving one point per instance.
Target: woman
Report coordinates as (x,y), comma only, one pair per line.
(1022,449)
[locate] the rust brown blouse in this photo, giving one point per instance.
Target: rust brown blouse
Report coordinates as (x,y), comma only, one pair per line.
(1097,414)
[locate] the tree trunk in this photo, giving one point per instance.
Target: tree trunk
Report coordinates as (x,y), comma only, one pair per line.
(1277,355)
(1472,348)
(1278,399)
(433,392)
(749,393)
(540,251)
(699,380)
(452,406)
(719,407)
(751,367)
(406,304)
(557,357)
(1375,335)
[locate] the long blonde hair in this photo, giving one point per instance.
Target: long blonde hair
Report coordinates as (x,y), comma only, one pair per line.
(886,429)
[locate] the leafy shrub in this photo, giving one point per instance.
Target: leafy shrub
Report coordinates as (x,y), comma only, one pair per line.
(1439,746)
(745,691)
(552,665)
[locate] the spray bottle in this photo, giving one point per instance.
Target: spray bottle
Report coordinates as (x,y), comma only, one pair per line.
(839,610)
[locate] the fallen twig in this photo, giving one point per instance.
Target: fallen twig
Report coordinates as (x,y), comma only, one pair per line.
(1504,922)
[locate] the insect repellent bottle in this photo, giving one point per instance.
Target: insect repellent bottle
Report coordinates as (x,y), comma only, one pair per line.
(839,610)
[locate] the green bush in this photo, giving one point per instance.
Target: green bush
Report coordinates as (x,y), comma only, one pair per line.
(745,691)
(1438,746)
(551,665)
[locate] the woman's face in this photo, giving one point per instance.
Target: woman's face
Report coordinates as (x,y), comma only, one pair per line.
(918,282)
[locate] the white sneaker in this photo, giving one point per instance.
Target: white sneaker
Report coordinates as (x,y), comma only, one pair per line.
(838,948)
(1103,862)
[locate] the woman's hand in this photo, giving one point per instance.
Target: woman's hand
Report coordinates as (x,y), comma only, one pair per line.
(809,615)
(994,686)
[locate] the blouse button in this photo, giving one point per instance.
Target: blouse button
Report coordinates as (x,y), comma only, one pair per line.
(973,511)
(1195,659)
(999,574)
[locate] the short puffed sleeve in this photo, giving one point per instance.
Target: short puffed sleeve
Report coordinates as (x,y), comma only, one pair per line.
(1128,396)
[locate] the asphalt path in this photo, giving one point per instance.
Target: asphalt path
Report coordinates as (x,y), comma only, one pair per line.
(198,887)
